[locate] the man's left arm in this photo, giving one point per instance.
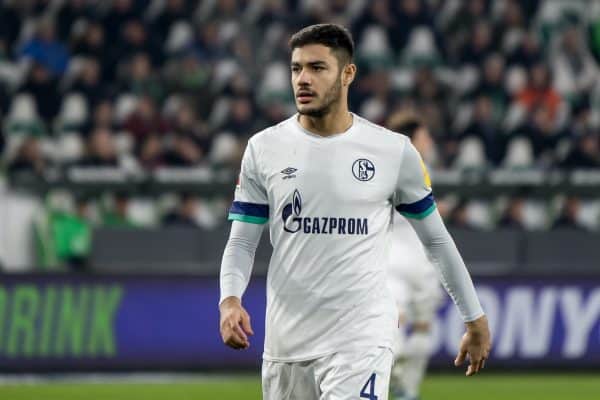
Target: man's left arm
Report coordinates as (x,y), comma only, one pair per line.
(415,201)
(442,251)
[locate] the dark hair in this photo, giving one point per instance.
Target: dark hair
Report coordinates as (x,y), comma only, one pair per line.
(405,122)
(334,36)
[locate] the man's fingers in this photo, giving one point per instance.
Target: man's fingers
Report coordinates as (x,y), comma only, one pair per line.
(236,341)
(460,357)
(246,324)
(475,366)
(239,331)
(470,370)
(233,335)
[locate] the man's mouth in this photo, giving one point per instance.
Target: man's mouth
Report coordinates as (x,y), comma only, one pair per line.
(304,97)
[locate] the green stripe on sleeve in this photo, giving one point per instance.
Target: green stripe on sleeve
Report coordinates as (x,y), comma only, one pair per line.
(247,218)
(420,215)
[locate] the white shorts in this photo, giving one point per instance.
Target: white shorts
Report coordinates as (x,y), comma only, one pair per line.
(351,375)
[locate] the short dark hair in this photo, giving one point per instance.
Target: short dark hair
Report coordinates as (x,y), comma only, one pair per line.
(334,36)
(405,122)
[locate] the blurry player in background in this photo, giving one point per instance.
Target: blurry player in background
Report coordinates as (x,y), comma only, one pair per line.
(326,181)
(413,280)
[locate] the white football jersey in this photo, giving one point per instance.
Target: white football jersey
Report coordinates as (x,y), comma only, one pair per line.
(329,204)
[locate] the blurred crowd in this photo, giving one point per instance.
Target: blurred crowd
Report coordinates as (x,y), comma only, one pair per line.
(140,85)
(143,84)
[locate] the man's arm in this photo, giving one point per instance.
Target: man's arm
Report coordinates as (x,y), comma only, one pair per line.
(444,255)
(416,203)
(236,268)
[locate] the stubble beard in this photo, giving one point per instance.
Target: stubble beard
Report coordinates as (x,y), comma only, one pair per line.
(330,97)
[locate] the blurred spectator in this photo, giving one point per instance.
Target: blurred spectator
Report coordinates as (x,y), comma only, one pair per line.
(191,76)
(573,66)
(92,44)
(150,152)
(89,83)
(208,44)
(527,53)
(539,91)
(409,124)
(70,13)
(136,39)
(241,120)
(101,151)
(29,158)
(480,45)
(378,14)
(64,237)
(485,128)
(187,123)
(174,11)
(544,136)
(120,12)
(145,120)
(183,152)
(568,217)
(45,50)
(491,85)
(184,216)
(408,15)
(462,23)
(585,154)
(10,25)
(117,215)
(458,217)
(141,80)
(103,116)
(44,88)
(513,216)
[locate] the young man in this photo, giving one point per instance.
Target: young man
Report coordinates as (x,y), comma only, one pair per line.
(327,180)
(413,280)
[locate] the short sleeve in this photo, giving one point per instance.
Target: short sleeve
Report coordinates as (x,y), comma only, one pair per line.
(414,198)
(250,202)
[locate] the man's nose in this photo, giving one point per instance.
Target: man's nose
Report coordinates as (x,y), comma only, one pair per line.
(304,78)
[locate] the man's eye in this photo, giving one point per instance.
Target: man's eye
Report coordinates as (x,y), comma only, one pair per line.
(318,68)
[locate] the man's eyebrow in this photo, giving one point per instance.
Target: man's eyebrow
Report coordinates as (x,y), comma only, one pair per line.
(311,63)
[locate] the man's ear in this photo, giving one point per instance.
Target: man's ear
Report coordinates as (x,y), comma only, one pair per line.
(348,74)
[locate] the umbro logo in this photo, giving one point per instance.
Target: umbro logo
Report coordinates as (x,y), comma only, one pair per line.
(288,173)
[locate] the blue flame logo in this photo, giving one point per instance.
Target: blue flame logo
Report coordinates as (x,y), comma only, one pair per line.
(295,207)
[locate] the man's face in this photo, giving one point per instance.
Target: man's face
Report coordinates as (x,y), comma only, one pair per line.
(316,79)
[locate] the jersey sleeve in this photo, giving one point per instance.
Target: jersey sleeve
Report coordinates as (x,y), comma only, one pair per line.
(414,198)
(250,201)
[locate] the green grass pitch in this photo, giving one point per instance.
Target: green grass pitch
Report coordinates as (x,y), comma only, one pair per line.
(437,387)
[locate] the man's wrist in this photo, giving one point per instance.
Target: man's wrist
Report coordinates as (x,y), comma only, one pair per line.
(477,324)
(230,301)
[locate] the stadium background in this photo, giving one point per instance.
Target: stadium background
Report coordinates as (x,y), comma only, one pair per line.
(123,123)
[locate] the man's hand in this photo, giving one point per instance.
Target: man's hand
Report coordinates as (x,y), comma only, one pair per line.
(235,323)
(475,343)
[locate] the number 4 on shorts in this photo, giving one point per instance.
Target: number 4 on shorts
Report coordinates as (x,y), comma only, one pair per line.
(371,384)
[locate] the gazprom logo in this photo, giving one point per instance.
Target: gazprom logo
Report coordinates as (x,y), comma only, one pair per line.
(295,207)
(294,222)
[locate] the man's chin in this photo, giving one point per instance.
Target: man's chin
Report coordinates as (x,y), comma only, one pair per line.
(310,111)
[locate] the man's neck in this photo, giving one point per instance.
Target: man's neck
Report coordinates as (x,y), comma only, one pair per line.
(328,125)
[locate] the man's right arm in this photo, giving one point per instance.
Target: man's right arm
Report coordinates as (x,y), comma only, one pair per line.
(236,268)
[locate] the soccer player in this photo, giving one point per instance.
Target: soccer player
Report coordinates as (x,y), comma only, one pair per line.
(326,181)
(413,280)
